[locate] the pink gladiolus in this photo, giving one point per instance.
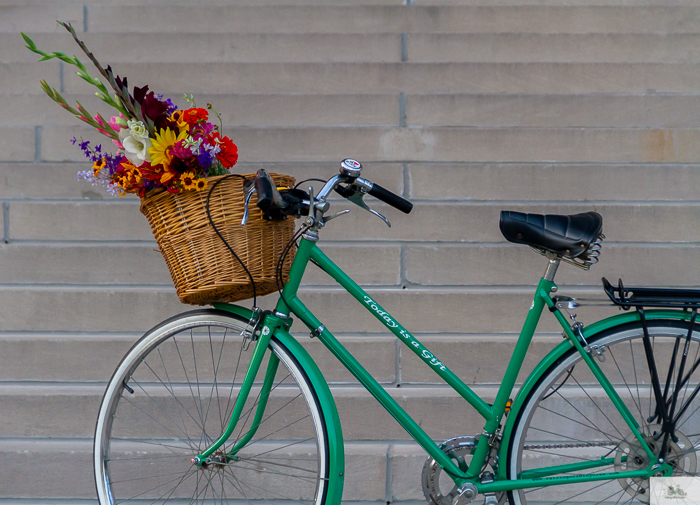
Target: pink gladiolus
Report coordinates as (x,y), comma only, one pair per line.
(113,123)
(83,119)
(103,132)
(117,143)
(99,120)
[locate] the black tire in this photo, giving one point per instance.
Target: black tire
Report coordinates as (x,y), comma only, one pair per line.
(171,397)
(567,417)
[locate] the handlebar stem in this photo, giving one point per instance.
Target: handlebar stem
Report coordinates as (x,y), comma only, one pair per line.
(330,186)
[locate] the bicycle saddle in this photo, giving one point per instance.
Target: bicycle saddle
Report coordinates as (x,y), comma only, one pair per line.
(568,236)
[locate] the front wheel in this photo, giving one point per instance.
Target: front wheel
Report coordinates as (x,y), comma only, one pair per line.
(171,398)
(568,418)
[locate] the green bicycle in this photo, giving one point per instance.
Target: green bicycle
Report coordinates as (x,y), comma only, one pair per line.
(223,405)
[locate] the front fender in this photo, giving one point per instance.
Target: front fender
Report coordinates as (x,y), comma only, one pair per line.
(325,398)
(558,352)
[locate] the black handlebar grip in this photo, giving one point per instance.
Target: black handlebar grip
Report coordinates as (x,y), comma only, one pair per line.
(392,199)
(263,188)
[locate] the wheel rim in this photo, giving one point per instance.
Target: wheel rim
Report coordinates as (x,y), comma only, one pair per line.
(577,423)
(181,376)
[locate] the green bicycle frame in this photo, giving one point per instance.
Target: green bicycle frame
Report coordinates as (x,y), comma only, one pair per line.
(492,414)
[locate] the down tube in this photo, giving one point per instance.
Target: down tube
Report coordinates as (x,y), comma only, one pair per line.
(384,398)
(404,336)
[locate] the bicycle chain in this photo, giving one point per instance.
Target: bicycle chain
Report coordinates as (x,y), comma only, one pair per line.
(556,446)
(568,446)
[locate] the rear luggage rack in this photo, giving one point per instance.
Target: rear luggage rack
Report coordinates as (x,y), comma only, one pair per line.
(640,296)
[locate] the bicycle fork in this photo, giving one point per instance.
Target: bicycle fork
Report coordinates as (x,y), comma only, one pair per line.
(256,360)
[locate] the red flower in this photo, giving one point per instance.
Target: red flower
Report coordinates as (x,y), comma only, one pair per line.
(193,116)
(228,156)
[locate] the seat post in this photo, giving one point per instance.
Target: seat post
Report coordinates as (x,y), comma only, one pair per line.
(551,271)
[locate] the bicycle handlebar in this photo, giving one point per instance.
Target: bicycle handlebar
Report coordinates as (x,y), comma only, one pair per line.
(277,205)
(390,198)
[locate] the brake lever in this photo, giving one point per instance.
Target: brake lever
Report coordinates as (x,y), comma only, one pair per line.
(357,199)
(248,190)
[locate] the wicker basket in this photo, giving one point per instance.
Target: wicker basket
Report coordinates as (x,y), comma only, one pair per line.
(202,267)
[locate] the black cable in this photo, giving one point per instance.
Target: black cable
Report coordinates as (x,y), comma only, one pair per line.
(280,264)
(307,180)
(562,383)
(211,221)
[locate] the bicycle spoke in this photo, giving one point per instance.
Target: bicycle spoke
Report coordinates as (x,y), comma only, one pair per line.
(608,436)
(169,420)
(597,406)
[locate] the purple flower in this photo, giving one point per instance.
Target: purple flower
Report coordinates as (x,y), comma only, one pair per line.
(204,159)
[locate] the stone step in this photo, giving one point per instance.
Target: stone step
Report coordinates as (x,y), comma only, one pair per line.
(459,222)
(650,110)
(522,78)
(67,467)
(179,48)
(92,358)
(552,47)
(124,264)
(375,78)
(353,19)
(395,144)
(592,182)
(439,264)
(70,411)
(371,47)
(481,310)
(421,3)
(66,471)
(553,182)
(259,110)
(302,110)
(72,357)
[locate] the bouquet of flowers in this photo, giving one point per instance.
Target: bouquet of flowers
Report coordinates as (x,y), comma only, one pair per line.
(159,147)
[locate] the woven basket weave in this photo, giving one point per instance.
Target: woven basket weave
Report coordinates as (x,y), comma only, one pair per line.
(202,267)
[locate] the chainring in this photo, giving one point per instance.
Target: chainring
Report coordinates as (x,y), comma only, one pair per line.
(444,491)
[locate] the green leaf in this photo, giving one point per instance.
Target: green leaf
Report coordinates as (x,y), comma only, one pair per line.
(30,42)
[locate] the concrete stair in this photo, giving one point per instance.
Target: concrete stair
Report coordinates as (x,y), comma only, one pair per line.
(466,107)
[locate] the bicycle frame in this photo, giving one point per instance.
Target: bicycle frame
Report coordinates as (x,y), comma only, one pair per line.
(492,414)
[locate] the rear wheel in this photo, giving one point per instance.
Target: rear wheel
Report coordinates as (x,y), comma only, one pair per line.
(171,398)
(568,418)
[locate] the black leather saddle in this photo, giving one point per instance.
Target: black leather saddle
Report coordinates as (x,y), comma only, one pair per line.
(568,236)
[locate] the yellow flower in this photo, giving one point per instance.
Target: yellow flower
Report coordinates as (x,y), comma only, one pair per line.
(176,117)
(188,181)
(162,144)
(201,184)
(97,166)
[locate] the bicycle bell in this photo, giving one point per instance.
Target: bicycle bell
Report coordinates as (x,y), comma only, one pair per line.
(350,167)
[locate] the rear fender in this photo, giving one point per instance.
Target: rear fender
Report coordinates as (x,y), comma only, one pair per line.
(553,357)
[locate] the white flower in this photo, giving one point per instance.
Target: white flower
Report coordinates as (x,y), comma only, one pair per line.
(192,144)
(212,149)
(135,147)
(137,128)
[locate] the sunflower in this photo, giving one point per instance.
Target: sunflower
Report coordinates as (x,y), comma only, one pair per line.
(162,144)
(187,180)
(97,166)
(201,184)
